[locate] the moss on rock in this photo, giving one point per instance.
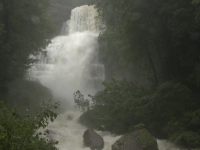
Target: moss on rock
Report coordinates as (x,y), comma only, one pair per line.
(137,140)
(145,138)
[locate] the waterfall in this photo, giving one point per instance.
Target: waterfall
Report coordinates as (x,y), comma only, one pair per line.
(83,18)
(71,64)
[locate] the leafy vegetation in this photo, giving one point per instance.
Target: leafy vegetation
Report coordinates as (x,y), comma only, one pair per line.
(24,31)
(117,107)
(146,139)
(20,132)
(169,111)
(164,35)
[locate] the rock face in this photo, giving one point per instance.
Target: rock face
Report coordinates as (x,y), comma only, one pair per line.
(137,140)
(93,140)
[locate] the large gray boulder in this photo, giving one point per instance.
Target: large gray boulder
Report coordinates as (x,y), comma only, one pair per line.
(93,140)
(137,140)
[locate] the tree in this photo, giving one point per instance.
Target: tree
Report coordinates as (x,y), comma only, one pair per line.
(24,31)
(20,132)
(165,33)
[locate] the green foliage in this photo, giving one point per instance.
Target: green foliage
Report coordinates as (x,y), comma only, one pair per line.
(169,96)
(146,139)
(26,27)
(186,138)
(168,111)
(172,112)
(170,89)
(81,103)
(20,133)
(164,33)
(185,130)
(116,107)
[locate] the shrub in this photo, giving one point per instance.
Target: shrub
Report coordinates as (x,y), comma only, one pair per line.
(115,108)
(20,132)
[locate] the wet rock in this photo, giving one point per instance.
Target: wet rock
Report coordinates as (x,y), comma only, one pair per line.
(93,140)
(137,140)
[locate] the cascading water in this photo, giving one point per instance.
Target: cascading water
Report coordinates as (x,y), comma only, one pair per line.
(72,64)
(83,18)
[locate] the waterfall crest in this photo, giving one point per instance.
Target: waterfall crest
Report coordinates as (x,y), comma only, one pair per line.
(82,18)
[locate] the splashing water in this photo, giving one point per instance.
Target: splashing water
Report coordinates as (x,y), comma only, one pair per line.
(165,145)
(72,64)
(69,133)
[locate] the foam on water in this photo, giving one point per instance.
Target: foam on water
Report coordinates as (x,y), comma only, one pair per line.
(69,133)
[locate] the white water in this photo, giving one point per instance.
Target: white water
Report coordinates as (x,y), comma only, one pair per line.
(83,18)
(72,64)
(69,133)
(165,145)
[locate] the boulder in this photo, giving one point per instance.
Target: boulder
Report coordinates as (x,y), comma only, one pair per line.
(93,140)
(137,140)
